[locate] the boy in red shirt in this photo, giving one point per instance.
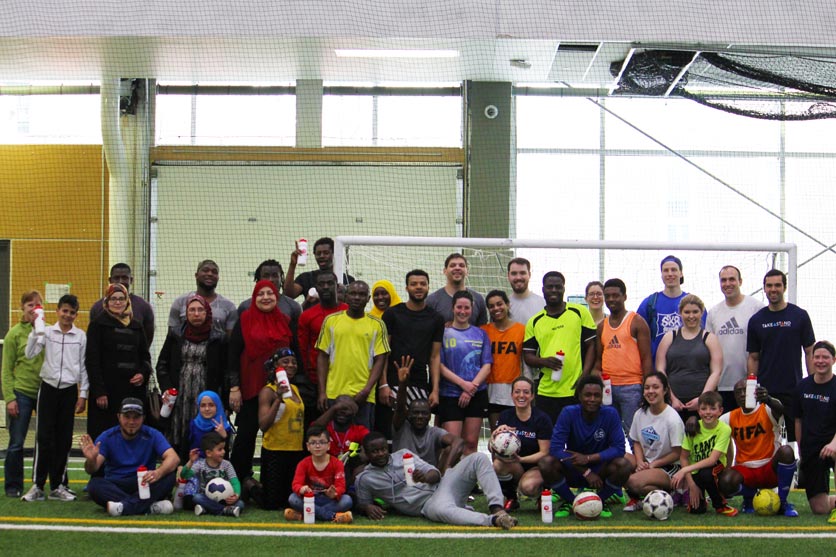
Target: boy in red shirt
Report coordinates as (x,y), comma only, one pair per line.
(322,476)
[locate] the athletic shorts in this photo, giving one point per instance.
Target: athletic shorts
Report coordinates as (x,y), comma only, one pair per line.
(671,469)
(756,478)
(449,411)
(815,473)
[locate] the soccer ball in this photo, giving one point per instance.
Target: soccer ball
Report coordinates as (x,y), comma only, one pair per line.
(505,444)
(658,504)
(766,502)
(587,506)
(219,489)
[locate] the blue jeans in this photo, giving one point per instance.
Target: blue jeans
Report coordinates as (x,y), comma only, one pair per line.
(124,490)
(325,508)
(18,427)
(211,506)
(626,399)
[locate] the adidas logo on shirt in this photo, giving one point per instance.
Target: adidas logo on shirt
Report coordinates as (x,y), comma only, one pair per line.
(731,327)
(614,344)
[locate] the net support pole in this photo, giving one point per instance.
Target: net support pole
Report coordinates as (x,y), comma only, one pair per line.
(342,242)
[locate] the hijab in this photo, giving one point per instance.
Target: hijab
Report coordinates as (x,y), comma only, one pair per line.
(201,332)
(205,425)
(393,295)
(125,317)
(263,332)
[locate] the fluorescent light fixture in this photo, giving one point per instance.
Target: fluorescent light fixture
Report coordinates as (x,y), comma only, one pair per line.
(391,53)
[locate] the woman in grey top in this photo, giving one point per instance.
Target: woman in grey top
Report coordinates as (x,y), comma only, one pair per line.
(691,358)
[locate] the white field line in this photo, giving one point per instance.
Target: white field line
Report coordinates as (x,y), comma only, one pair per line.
(413,535)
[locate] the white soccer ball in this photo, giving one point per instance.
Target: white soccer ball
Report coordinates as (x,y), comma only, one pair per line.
(219,489)
(505,444)
(658,504)
(587,506)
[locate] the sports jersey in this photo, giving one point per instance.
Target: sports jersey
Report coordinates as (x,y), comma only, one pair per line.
(703,443)
(287,431)
(567,332)
(658,435)
(464,352)
(573,433)
(779,337)
(310,323)
(506,350)
(412,333)
(537,427)
(756,435)
(351,345)
(123,456)
(815,405)
(620,358)
(662,315)
(320,480)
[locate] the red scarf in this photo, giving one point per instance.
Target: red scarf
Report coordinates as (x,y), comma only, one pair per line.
(201,332)
(263,333)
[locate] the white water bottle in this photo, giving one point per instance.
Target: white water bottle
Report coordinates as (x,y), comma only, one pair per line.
(751,387)
(283,381)
(408,468)
(557,374)
(607,399)
(144,490)
(310,514)
(39,324)
(169,398)
(546,506)
(302,246)
(180,493)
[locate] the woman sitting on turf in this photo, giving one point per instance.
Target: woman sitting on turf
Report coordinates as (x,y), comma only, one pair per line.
(656,435)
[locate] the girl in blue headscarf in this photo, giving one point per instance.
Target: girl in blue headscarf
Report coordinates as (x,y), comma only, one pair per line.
(210,417)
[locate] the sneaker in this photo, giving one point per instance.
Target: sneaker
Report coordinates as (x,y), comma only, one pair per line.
(617,499)
(512,505)
(632,506)
(231,511)
(788,509)
(606,512)
(114,508)
(727,510)
(292,514)
(747,507)
(699,509)
(61,493)
(564,510)
(199,510)
(35,493)
(162,507)
(832,518)
(504,520)
(343,518)
(14,493)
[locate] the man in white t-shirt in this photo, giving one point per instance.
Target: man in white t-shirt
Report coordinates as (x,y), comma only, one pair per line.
(729,320)
(524,304)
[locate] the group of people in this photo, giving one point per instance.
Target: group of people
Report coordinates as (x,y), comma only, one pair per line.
(343,396)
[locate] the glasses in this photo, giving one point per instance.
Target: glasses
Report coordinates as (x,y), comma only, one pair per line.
(318,443)
(595,295)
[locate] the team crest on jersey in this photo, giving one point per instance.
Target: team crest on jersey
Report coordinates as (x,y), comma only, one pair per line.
(649,435)
(599,434)
(667,322)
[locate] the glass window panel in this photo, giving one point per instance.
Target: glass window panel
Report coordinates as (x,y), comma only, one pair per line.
(50,119)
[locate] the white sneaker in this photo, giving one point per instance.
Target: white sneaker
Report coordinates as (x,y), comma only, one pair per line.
(114,508)
(35,493)
(231,511)
(198,510)
(61,493)
(162,507)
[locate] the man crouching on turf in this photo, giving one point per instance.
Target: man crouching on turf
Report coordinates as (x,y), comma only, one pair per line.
(436,498)
(121,450)
(587,449)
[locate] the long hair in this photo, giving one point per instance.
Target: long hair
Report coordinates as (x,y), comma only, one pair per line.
(662,379)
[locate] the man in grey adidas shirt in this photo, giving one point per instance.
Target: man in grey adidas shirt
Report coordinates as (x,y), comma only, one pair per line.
(729,320)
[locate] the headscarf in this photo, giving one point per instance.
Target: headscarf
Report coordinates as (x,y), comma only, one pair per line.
(201,332)
(263,333)
(205,425)
(390,288)
(125,317)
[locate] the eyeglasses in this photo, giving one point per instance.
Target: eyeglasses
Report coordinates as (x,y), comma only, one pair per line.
(318,443)
(595,295)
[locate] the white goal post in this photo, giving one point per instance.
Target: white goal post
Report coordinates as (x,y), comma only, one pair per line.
(343,243)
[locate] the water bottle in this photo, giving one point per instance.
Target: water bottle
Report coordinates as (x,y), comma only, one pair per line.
(282,380)
(607,399)
(302,246)
(751,387)
(169,398)
(558,373)
(144,489)
(408,468)
(39,324)
(310,515)
(546,506)
(180,493)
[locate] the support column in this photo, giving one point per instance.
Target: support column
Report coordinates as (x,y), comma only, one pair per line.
(309,113)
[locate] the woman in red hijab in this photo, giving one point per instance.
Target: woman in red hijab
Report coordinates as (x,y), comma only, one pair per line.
(261,330)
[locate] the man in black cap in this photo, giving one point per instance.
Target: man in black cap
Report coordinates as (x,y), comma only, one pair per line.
(122,450)
(661,309)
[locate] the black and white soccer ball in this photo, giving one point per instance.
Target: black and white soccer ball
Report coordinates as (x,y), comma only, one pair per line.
(658,504)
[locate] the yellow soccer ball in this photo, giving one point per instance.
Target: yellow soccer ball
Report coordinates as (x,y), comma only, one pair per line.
(766,502)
